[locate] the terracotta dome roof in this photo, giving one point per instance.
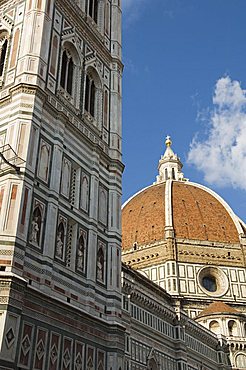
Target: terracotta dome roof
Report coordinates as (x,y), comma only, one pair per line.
(191,210)
(143,218)
(197,214)
(218,308)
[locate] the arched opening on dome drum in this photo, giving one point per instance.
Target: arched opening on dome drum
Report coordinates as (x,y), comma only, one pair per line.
(214,326)
(232,328)
(241,361)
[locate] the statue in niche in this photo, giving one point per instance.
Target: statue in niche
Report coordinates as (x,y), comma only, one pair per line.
(100,265)
(36,226)
(60,240)
(81,252)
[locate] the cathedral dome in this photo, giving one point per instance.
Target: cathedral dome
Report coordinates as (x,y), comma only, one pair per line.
(174,205)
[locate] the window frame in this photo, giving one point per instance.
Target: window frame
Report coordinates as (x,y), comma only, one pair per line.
(4,39)
(70,61)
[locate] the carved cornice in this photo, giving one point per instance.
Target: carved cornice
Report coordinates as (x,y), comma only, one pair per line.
(206,257)
(199,332)
(21,88)
(237,344)
(148,304)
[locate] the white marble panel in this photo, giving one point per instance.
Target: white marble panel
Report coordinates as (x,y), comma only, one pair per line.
(233,275)
(241,274)
(190,271)
(235,290)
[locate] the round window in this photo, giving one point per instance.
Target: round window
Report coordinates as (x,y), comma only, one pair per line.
(213,281)
(209,283)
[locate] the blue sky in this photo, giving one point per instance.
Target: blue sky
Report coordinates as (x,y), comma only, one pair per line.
(184,76)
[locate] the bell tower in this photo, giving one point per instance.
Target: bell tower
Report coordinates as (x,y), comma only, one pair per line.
(60,184)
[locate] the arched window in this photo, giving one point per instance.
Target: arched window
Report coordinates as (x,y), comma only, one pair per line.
(241,361)
(93,9)
(90,95)
(64,69)
(209,283)
(214,326)
(67,71)
(70,73)
(152,364)
(93,97)
(232,328)
(3,56)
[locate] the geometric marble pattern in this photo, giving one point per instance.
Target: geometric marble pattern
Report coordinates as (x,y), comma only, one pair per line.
(53,353)
(10,337)
(40,349)
(26,344)
(66,357)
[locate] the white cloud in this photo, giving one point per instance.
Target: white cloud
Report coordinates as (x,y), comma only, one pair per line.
(222,155)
